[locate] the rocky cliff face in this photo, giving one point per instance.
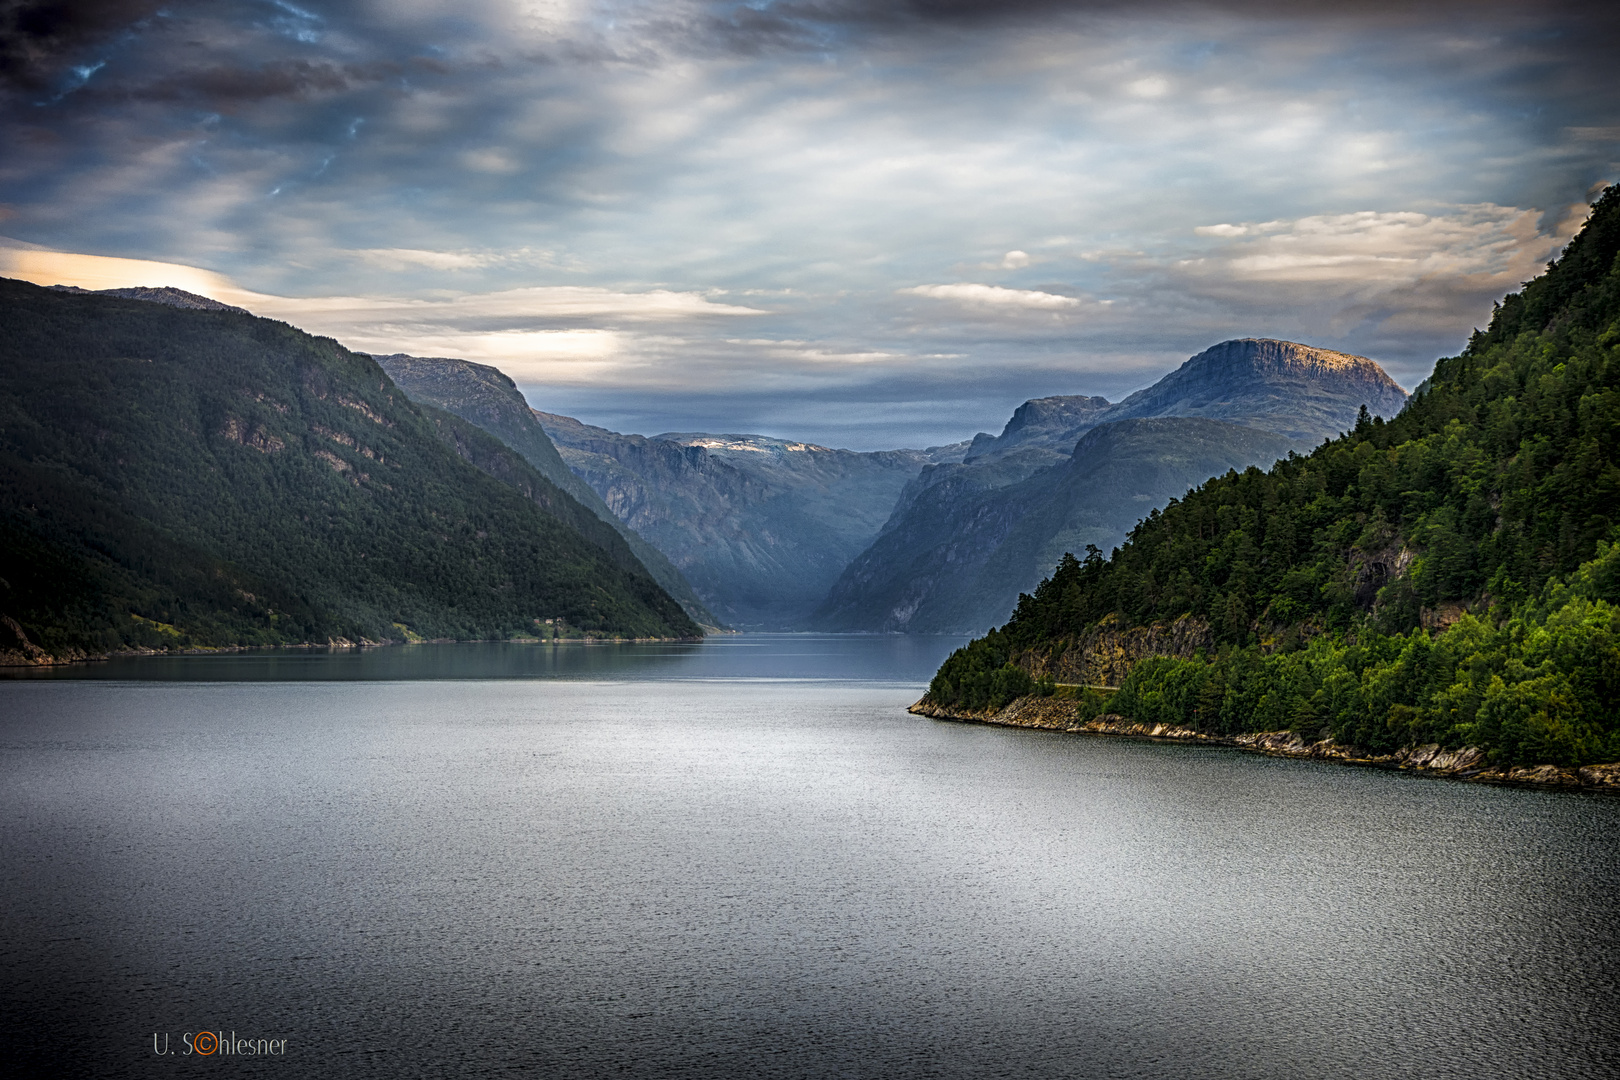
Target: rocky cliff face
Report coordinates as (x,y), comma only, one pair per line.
(965,539)
(484,396)
(1051,424)
(761,527)
(1105,653)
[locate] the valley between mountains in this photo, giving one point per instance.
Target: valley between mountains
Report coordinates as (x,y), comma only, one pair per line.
(158,500)
(1271,538)
(771,534)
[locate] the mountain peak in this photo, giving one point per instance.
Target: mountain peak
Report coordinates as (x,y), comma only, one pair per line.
(1290,357)
(1051,423)
(755,444)
(1283,386)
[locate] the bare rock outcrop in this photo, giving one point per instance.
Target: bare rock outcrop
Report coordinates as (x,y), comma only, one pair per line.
(1104,654)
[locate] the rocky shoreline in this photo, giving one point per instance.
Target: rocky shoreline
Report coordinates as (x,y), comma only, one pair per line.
(1467,763)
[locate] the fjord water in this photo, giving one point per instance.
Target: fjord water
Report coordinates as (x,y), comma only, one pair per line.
(746,859)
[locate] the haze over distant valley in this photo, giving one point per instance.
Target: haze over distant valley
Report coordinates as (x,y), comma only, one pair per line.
(764,533)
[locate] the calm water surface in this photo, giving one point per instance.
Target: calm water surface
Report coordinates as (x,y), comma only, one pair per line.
(745,859)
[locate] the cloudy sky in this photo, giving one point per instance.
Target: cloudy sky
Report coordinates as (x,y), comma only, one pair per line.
(867,223)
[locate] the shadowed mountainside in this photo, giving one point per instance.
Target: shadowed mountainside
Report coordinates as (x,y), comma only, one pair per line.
(486,397)
(176,478)
(962,555)
(761,527)
(966,538)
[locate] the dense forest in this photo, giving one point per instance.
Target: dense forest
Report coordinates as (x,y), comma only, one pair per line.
(174,478)
(1449,576)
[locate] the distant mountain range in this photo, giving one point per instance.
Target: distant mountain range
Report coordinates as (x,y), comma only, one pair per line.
(767,534)
(761,527)
(173,476)
(744,531)
(965,539)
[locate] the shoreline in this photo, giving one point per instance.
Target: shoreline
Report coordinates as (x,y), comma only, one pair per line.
(14,658)
(1466,764)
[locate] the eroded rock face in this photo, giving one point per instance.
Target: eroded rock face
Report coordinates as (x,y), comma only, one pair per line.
(1601,776)
(1431,756)
(1107,652)
(17,651)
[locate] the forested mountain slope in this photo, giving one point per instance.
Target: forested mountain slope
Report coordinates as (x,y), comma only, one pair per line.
(965,539)
(760,526)
(173,478)
(1447,577)
(487,398)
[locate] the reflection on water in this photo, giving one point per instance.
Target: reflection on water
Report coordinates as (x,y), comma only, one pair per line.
(745,859)
(840,657)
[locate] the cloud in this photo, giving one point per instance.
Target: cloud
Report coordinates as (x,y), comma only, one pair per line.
(1409,269)
(995,296)
(552,357)
(495,324)
(1369,245)
(401,258)
(629,197)
(39,37)
(31,262)
(224,86)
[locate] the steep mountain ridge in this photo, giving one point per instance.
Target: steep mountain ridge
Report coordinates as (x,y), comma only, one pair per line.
(991,522)
(173,477)
(165,294)
(487,398)
(761,527)
(1049,423)
(961,554)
